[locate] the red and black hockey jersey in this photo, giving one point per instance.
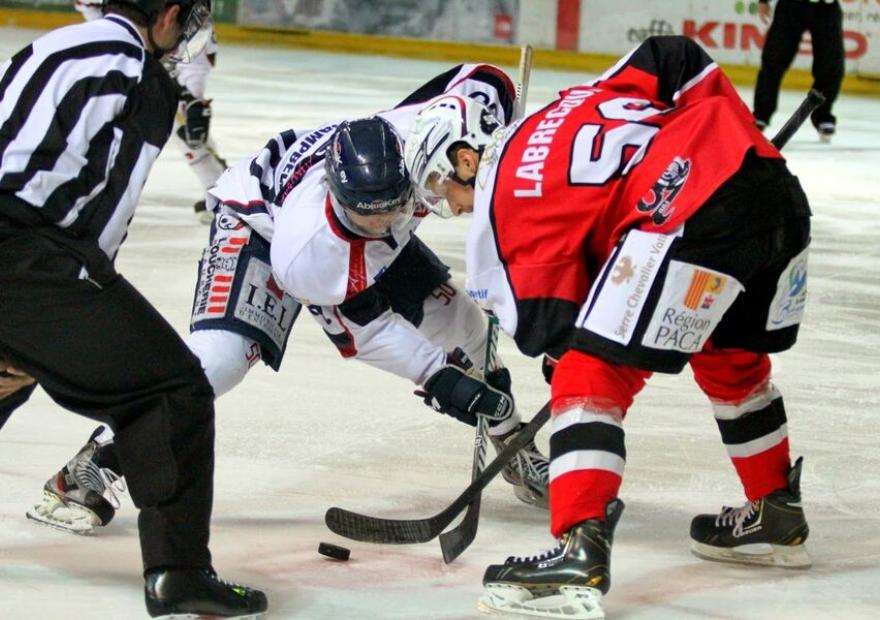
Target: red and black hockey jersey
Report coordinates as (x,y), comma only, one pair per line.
(644,146)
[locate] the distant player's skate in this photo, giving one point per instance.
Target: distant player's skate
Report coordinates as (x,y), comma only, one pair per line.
(83,495)
(826,132)
(565,582)
(769,531)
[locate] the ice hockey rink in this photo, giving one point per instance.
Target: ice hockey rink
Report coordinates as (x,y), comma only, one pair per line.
(326,432)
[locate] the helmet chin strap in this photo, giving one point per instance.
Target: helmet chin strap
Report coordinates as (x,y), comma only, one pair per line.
(158,52)
(472,182)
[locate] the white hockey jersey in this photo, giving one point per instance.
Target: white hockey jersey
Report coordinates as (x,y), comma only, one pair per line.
(282,195)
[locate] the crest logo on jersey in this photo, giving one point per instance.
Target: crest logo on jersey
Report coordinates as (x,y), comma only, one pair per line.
(789,301)
(229,222)
(658,200)
(488,122)
(623,270)
(703,290)
(691,305)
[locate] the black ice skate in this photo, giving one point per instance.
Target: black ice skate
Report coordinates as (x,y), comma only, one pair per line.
(83,495)
(769,531)
(528,471)
(578,569)
(826,131)
(193,593)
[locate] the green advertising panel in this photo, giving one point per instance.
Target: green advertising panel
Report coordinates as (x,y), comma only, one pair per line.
(38,5)
(225,11)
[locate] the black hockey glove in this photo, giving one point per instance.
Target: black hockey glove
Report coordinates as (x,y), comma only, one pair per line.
(500,380)
(197,120)
(451,391)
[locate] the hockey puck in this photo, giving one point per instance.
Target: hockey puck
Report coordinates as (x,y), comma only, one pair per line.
(334,551)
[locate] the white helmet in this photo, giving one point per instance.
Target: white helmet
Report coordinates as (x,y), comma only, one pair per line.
(447,121)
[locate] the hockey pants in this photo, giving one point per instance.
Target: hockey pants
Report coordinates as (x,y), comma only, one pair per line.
(99,349)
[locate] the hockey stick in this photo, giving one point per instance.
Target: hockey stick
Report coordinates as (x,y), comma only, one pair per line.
(456,540)
(408,531)
(812,101)
(522,87)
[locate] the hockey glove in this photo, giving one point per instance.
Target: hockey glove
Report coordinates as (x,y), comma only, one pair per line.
(451,391)
(500,380)
(197,120)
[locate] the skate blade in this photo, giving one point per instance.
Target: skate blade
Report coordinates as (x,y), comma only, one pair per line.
(572,602)
(54,513)
(781,556)
(530,497)
(525,493)
(210,617)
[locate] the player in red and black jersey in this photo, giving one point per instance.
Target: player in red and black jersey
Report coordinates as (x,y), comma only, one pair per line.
(638,223)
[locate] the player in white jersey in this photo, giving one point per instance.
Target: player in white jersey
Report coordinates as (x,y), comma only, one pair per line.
(193,119)
(300,223)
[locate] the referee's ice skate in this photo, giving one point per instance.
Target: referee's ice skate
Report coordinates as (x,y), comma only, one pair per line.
(565,582)
(199,593)
(83,494)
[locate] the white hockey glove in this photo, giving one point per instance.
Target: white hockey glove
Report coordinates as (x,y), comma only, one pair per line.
(197,120)
(451,391)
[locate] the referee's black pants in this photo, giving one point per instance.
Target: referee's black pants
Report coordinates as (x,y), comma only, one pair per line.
(790,19)
(98,348)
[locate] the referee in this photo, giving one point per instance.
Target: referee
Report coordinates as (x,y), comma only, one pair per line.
(823,19)
(84,113)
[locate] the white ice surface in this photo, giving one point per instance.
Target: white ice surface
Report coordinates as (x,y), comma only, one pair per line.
(326,432)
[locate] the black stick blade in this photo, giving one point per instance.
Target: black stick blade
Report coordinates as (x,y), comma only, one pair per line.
(407,531)
(365,528)
(455,541)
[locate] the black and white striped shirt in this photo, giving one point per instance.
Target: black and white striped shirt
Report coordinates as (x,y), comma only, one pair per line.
(84,113)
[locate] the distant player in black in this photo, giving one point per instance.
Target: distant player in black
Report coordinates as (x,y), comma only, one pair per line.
(823,19)
(84,112)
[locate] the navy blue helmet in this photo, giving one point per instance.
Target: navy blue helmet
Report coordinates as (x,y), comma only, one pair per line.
(365,169)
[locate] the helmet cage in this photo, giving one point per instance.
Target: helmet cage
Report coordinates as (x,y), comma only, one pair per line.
(197,28)
(448,121)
